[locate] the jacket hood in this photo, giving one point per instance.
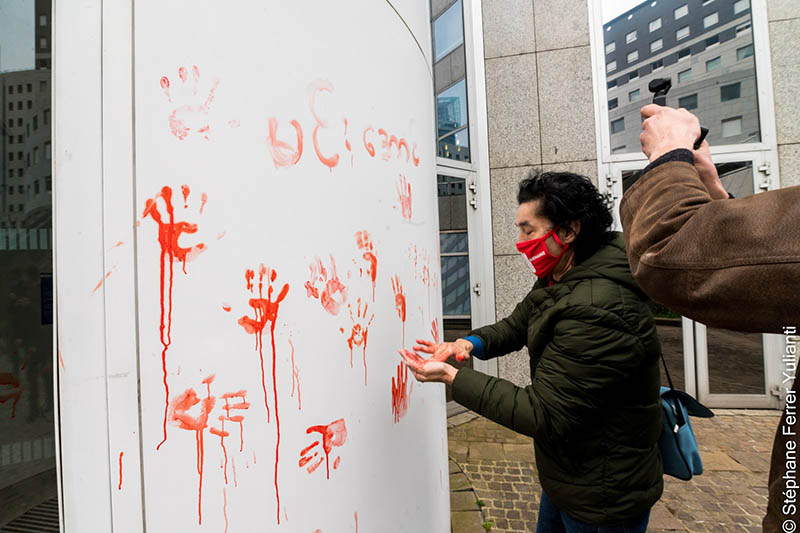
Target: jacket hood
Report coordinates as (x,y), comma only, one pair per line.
(610,262)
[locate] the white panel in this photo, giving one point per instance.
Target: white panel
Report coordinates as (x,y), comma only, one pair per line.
(78,260)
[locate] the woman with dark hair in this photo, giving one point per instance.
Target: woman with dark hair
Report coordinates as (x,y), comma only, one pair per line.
(592,407)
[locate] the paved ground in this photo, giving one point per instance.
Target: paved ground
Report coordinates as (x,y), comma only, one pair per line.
(493,478)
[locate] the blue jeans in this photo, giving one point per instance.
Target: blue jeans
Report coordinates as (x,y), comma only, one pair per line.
(554,520)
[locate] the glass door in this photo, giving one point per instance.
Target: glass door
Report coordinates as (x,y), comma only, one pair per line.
(27,447)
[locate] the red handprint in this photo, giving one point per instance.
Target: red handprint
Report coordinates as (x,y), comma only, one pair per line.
(180,413)
(358,334)
(400,304)
(404,194)
(401,393)
(334,435)
(266,310)
(195,114)
(242,403)
(334,293)
(12,393)
(168,235)
(364,243)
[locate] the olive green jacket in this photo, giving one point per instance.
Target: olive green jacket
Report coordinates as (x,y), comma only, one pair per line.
(593,405)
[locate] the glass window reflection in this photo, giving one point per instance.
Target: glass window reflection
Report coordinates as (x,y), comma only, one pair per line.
(448,31)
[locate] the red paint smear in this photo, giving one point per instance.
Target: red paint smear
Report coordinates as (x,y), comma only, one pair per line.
(60,360)
(364,243)
(336,463)
(234,123)
(404,194)
(185,191)
(221,433)
(401,393)
(314,88)
(182,74)
(400,304)
(118,244)
(284,155)
(355,515)
(13,394)
(203,200)
(100,283)
(414,155)
(346,141)
(368,145)
(225,508)
(358,334)
(435,330)
(334,435)
(295,379)
(221,235)
(180,407)
(119,487)
(334,292)
(168,235)
(266,310)
(226,308)
(164,82)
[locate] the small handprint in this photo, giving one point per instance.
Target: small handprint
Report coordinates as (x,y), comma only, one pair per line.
(358,333)
(334,435)
(194,116)
(400,303)
(365,244)
(401,393)
(404,194)
(334,293)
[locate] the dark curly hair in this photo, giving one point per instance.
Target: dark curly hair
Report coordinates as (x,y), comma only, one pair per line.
(568,197)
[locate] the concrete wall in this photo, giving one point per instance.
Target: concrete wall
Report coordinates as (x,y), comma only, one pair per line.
(540,107)
(784,38)
(541,115)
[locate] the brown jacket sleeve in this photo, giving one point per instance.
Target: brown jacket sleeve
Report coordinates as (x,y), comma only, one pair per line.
(726,263)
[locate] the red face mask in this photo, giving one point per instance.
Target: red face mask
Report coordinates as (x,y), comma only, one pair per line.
(536,255)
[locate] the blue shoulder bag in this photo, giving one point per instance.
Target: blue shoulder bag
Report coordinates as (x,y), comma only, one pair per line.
(677,442)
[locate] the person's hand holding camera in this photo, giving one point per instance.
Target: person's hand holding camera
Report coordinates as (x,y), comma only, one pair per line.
(665,129)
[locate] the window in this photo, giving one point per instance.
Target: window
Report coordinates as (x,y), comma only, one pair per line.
(633,56)
(29,87)
(730,92)
(10,139)
(20,156)
(744,52)
(611,84)
(634,95)
(630,37)
(732,127)
(35,155)
(611,66)
(618,125)
(682,33)
(688,102)
(11,208)
(21,190)
(633,75)
(655,24)
(655,65)
(36,187)
(48,150)
(19,105)
(10,89)
(618,149)
(35,122)
(19,122)
(740,6)
(706,2)
(42,20)
(681,11)
(10,156)
(452,123)
(710,20)
(658,44)
(20,172)
(684,75)
(20,139)
(42,85)
(48,183)
(713,64)
(46,118)
(711,41)
(19,88)
(20,208)
(741,29)
(11,191)
(610,47)
(448,31)
(30,104)
(612,104)
(43,43)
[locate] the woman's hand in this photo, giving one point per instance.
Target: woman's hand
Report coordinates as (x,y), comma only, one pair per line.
(435,368)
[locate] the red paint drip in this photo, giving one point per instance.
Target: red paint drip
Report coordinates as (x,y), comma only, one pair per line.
(225,508)
(233,467)
(435,330)
(266,310)
(400,304)
(185,192)
(359,332)
(119,487)
(336,463)
(401,393)
(221,433)
(203,200)
(355,515)
(295,379)
(333,435)
(168,235)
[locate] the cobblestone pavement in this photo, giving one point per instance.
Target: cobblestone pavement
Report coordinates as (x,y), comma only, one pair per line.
(493,477)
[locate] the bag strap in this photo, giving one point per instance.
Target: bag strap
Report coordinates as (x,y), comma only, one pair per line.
(666,370)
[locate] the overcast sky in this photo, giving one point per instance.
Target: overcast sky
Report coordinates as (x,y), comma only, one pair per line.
(16,35)
(614,8)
